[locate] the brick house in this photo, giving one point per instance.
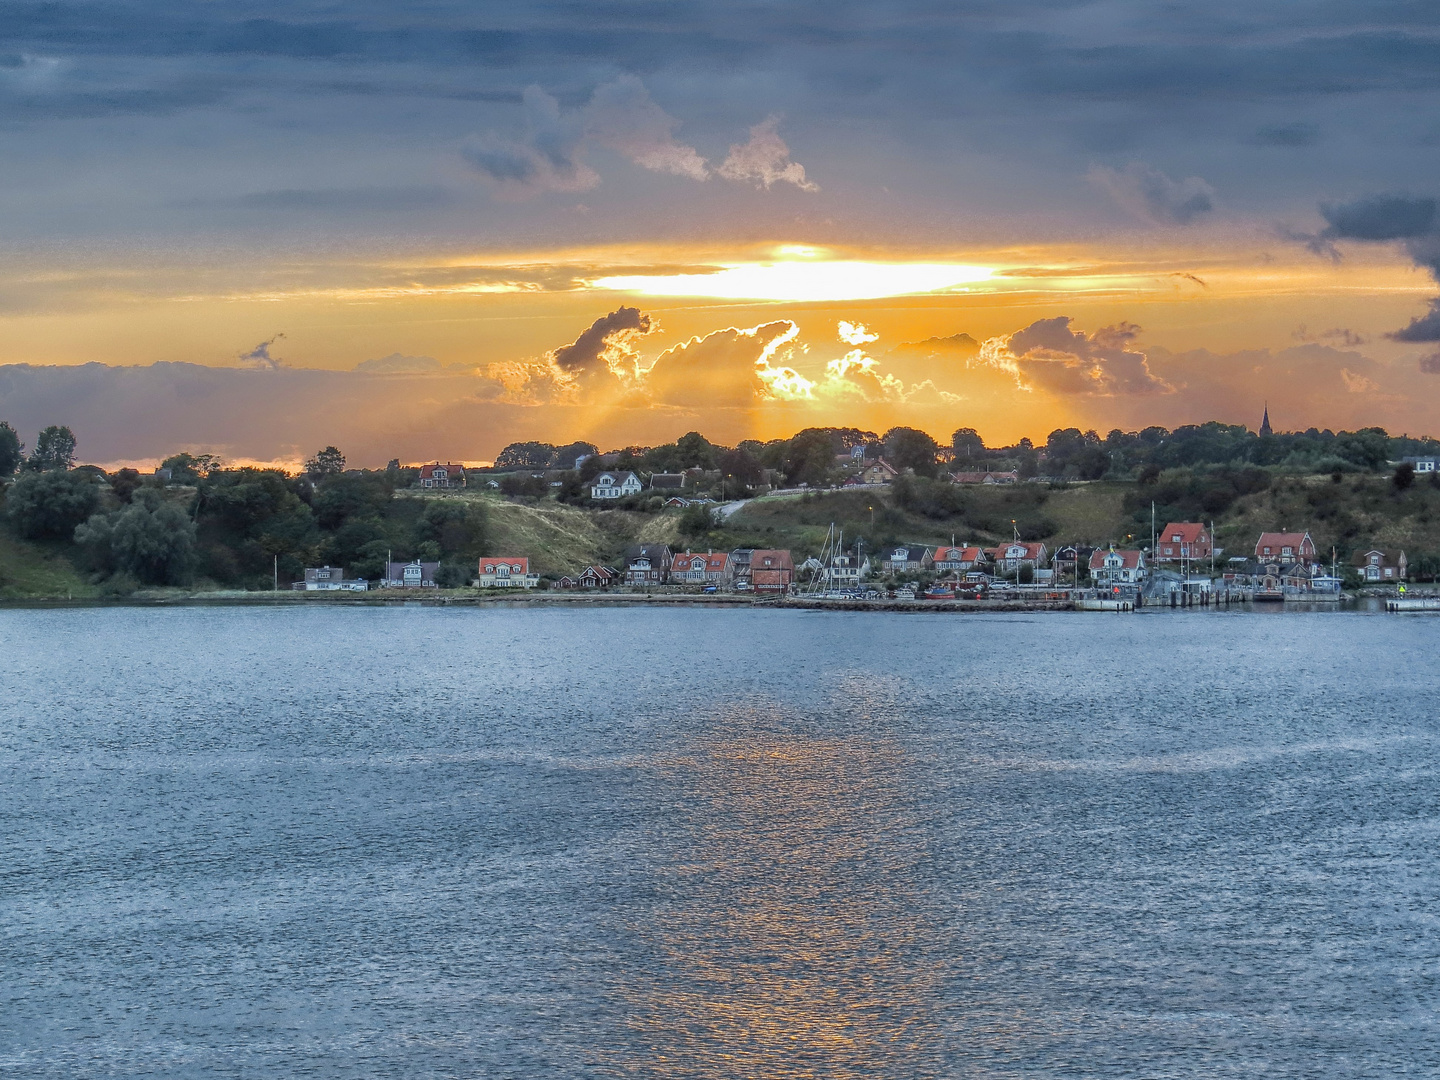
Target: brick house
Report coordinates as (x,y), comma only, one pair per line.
(1285,548)
(1376,565)
(771,570)
(1182,540)
(647,564)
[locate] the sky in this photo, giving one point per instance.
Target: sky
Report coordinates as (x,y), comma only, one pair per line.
(424,230)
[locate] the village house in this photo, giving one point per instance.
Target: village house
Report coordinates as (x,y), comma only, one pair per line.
(693,568)
(329,579)
(1182,540)
(437,475)
(771,571)
(592,577)
(954,560)
(667,481)
(1109,568)
(507,572)
(881,472)
(1065,559)
(1421,464)
(986,477)
(1381,566)
(647,564)
(411,575)
(909,559)
(845,571)
(1285,548)
(1009,558)
(614,485)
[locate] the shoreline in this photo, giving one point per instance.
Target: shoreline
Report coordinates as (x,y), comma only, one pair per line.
(470,598)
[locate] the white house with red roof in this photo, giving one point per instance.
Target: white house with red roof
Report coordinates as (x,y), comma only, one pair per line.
(1182,540)
(1285,548)
(448,475)
(1118,567)
(696,568)
(507,572)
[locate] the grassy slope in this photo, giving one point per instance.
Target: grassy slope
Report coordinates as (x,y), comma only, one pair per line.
(29,570)
(1360,512)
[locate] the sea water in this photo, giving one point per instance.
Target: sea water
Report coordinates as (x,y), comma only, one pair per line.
(426,842)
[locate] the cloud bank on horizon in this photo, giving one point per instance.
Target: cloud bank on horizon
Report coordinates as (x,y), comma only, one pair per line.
(733,383)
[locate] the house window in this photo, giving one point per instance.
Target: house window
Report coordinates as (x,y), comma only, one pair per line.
(1287,551)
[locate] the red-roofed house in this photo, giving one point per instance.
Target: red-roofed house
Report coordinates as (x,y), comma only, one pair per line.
(507,572)
(442,476)
(1285,548)
(1378,565)
(771,571)
(1118,567)
(955,559)
(1182,540)
(693,568)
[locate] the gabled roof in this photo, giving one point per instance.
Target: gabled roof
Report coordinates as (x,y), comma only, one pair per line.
(771,559)
(712,562)
(667,480)
(1387,557)
(658,554)
(519,564)
(912,552)
(1034,550)
(1129,560)
(1190,532)
(427,472)
(1277,540)
(619,477)
(959,554)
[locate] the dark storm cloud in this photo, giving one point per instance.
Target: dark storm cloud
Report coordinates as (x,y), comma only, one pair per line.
(1387,218)
(587,353)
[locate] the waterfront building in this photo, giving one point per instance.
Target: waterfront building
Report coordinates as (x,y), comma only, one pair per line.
(647,564)
(1182,540)
(411,575)
(506,572)
(329,579)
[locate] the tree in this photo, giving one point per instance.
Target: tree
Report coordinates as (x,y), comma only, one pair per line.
(697,519)
(124,483)
(695,451)
(967,444)
(908,448)
(11,449)
(565,456)
(526,455)
(54,449)
(152,540)
(1404,476)
(328,462)
(191,468)
(50,504)
(741,465)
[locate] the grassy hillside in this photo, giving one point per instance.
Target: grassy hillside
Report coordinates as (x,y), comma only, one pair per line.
(29,570)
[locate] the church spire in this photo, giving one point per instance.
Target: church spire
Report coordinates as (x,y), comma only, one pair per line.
(1265,428)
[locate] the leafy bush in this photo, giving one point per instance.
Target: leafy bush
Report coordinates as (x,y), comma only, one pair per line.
(151,540)
(51,504)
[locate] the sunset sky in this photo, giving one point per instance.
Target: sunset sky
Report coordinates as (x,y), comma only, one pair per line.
(428,229)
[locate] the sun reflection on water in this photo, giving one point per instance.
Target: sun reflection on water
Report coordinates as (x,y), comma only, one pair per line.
(794,936)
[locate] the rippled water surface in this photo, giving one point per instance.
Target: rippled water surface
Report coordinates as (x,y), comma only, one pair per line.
(423,842)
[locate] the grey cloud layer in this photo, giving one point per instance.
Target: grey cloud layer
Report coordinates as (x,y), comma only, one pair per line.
(977,106)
